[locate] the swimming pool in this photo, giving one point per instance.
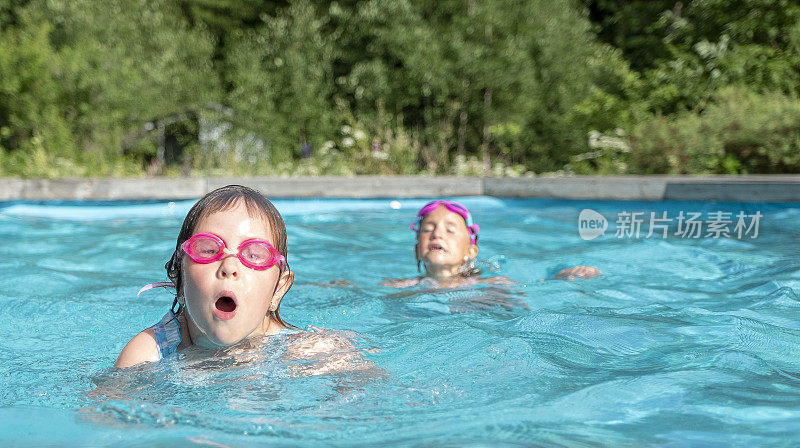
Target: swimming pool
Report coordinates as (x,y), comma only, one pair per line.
(682,341)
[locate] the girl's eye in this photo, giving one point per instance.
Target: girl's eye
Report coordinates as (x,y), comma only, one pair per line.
(206,248)
(427,228)
(256,253)
(451,229)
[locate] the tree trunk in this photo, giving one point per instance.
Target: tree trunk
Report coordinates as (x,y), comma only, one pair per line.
(462,122)
(487,105)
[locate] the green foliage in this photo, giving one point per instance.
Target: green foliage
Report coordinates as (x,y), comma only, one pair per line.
(608,155)
(467,87)
(81,78)
(127,62)
(740,132)
(30,120)
(281,77)
(633,27)
(686,52)
(460,74)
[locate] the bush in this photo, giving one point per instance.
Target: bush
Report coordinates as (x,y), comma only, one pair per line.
(33,130)
(740,132)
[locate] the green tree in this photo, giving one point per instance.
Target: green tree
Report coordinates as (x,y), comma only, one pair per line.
(35,135)
(687,51)
(518,81)
(111,67)
(739,132)
(281,78)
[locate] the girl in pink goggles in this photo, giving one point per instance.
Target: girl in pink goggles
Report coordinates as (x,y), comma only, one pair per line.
(223,294)
(447,245)
(446,241)
(454,207)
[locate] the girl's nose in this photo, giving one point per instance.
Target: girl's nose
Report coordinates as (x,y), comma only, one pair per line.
(229,267)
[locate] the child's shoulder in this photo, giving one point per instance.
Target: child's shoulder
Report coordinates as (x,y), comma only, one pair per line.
(402,282)
(454,282)
(142,348)
(497,280)
(322,351)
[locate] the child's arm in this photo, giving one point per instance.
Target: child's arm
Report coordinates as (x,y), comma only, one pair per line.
(571,274)
(401,283)
(142,348)
(334,283)
(323,351)
(497,280)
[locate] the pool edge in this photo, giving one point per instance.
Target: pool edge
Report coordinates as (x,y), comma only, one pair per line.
(752,188)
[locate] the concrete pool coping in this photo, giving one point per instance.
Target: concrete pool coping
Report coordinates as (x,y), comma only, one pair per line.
(752,188)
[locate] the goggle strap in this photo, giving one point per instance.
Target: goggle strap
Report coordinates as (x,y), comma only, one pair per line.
(150,286)
(459,209)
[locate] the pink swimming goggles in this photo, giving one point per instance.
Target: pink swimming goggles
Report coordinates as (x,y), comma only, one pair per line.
(454,207)
(207,248)
(255,254)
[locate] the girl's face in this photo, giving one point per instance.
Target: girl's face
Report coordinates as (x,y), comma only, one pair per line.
(226,301)
(443,243)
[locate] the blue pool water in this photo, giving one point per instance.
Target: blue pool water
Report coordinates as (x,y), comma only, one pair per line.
(681,342)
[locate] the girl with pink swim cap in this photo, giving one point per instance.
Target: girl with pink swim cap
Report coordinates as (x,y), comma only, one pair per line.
(447,245)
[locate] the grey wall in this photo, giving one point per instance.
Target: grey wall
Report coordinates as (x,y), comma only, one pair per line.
(766,188)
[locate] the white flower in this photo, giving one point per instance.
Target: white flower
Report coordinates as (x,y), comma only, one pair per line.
(346,130)
(348,142)
(359,135)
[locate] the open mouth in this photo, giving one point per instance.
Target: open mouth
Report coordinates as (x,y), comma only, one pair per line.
(225,306)
(435,246)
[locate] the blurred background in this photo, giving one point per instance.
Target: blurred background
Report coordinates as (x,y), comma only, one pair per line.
(462,87)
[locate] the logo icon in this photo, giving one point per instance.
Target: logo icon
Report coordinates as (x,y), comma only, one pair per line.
(591,224)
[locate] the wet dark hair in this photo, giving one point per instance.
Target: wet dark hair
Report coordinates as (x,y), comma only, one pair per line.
(218,200)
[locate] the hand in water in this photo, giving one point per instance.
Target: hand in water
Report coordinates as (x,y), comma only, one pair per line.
(571,274)
(320,351)
(450,282)
(402,282)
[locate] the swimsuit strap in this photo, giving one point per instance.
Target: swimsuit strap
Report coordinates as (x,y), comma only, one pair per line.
(168,334)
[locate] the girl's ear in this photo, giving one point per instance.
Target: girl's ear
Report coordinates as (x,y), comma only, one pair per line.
(472,252)
(285,282)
